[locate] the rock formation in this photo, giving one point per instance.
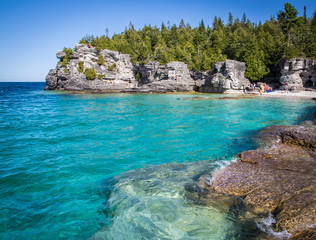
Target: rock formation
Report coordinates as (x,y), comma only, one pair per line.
(225,77)
(118,74)
(172,77)
(115,72)
(298,73)
(279,178)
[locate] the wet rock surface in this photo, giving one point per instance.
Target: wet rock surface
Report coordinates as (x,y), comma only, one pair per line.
(279,178)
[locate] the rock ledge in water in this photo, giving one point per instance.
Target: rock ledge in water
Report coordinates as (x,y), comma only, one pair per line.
(279,178)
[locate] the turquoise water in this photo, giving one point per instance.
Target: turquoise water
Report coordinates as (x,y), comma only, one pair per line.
(64,161)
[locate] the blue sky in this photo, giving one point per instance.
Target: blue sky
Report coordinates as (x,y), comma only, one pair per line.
(32,31)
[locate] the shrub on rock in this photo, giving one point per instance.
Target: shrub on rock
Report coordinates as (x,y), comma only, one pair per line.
(90,73)
(112,67)
(101,60)
(80,66)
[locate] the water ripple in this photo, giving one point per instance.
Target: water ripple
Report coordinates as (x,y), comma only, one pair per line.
(58,150)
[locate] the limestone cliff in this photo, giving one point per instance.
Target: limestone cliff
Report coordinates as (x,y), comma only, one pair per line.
(173,76)
(298,73)
(114,72)
(226,77)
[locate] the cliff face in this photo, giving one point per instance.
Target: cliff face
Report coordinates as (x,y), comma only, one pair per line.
(173,76)
(225,77)
(298,73)
(116,73)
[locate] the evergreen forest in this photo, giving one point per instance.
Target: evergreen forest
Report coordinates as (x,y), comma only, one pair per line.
(260,45)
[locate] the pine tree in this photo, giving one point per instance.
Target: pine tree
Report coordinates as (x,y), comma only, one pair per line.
(182,24)
(230,20)
(260,46)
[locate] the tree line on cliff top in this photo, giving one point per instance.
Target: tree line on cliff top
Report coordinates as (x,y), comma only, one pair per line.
(261,46)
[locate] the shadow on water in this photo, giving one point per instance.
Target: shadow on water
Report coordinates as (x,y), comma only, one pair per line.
(107,188)
(308,114)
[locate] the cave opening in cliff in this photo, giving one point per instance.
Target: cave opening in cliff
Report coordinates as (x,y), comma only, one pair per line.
(308,84)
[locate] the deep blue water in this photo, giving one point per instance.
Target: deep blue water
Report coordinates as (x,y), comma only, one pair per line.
(62,154)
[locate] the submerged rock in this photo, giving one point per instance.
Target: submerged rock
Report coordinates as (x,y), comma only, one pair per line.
(149,203)
(279,178)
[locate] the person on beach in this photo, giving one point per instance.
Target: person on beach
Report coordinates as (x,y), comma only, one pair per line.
(267,88)
(262,89)
(286,88)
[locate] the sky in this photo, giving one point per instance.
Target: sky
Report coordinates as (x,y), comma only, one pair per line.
(32,31)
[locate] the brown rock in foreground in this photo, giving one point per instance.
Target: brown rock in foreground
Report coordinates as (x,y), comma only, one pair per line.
(279,178)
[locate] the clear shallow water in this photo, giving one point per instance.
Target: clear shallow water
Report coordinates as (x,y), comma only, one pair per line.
(151,203)
(60,154)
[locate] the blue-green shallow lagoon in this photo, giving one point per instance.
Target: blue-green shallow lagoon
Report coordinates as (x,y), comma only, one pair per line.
(62,155)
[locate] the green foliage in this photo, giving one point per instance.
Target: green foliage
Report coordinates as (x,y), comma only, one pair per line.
(112,67)
(88,39)
(90,73)
(66,59)
(311,39)
(100,76)
(80,66)
(68,51)
(66,70)
(256,68)
(260,46)
(287,18)
(138,76)
(101,60)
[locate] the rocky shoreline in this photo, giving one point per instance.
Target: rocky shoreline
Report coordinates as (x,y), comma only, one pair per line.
(278,179)
(105,71)
(91,70)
